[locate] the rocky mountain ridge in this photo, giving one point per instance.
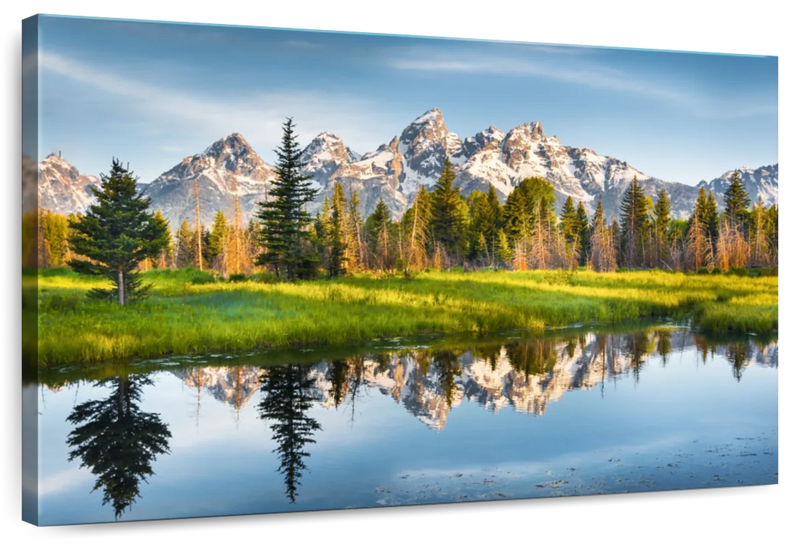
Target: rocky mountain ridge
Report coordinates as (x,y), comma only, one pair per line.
(396,170)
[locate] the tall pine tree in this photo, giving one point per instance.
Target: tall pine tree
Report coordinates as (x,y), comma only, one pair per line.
(662,221)
(482,228)
(166,257)
(736,202)
(379,237)
(183,246)
(448,218)
(337,232)
(283,216)
(710,219)
(584,233)
(569,222)
(356,248)
(634,220)
(218,242)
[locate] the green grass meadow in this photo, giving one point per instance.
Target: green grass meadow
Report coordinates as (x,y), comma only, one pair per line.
(188,312)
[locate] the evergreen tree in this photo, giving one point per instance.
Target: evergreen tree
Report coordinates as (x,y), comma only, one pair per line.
(662,221)
(322,221)
(337,232)
(116,234)
(495,209)
(699,204)
(634,222)
(379,236)
(448,217)
(482,227)
(503,253)
(710,219)
(356,251)
(584,234)
(251,238)
(736,201)
(218,242)
(569,222)
(599,219)
(283,215)
(184,250)
(523,206)
(166,258)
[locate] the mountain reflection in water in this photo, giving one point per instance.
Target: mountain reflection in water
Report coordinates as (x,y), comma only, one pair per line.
(120,442)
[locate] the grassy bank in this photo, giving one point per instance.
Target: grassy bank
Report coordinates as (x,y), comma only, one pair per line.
(188,313)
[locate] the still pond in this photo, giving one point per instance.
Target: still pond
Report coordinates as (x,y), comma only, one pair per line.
(420,421)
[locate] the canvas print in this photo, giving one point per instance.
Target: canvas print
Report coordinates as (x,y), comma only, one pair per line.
(271,270)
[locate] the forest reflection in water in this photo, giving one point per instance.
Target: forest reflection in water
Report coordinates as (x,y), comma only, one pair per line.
(119,442)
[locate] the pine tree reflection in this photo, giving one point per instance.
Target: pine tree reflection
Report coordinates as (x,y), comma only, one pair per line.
(288,396)
(117,441)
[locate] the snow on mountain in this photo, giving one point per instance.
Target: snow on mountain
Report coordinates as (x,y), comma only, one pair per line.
(761,182)
(395,171)
(226,167)
(62,189)
(323,156)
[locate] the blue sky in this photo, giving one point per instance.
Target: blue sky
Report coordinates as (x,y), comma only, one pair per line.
(152,94)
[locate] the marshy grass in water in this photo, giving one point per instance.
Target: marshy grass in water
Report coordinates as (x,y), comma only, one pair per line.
(188,311)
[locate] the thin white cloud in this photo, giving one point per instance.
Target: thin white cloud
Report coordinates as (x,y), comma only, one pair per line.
(256,115)
(596,77)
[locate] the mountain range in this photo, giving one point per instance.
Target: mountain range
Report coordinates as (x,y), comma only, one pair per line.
(395,171)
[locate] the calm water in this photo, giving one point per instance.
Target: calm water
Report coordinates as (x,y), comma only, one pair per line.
(426,422)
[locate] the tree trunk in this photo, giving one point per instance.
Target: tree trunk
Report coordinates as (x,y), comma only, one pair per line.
(120,287)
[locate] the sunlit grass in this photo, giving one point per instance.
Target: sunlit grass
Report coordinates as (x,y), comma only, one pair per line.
(188,312)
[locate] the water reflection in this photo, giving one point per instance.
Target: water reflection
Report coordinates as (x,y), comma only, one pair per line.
(287,397)
(525,374)
(117,441)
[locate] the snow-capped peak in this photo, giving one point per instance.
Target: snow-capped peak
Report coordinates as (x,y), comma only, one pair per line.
(326,138)
(55,158)
(232,143)
(431,116)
